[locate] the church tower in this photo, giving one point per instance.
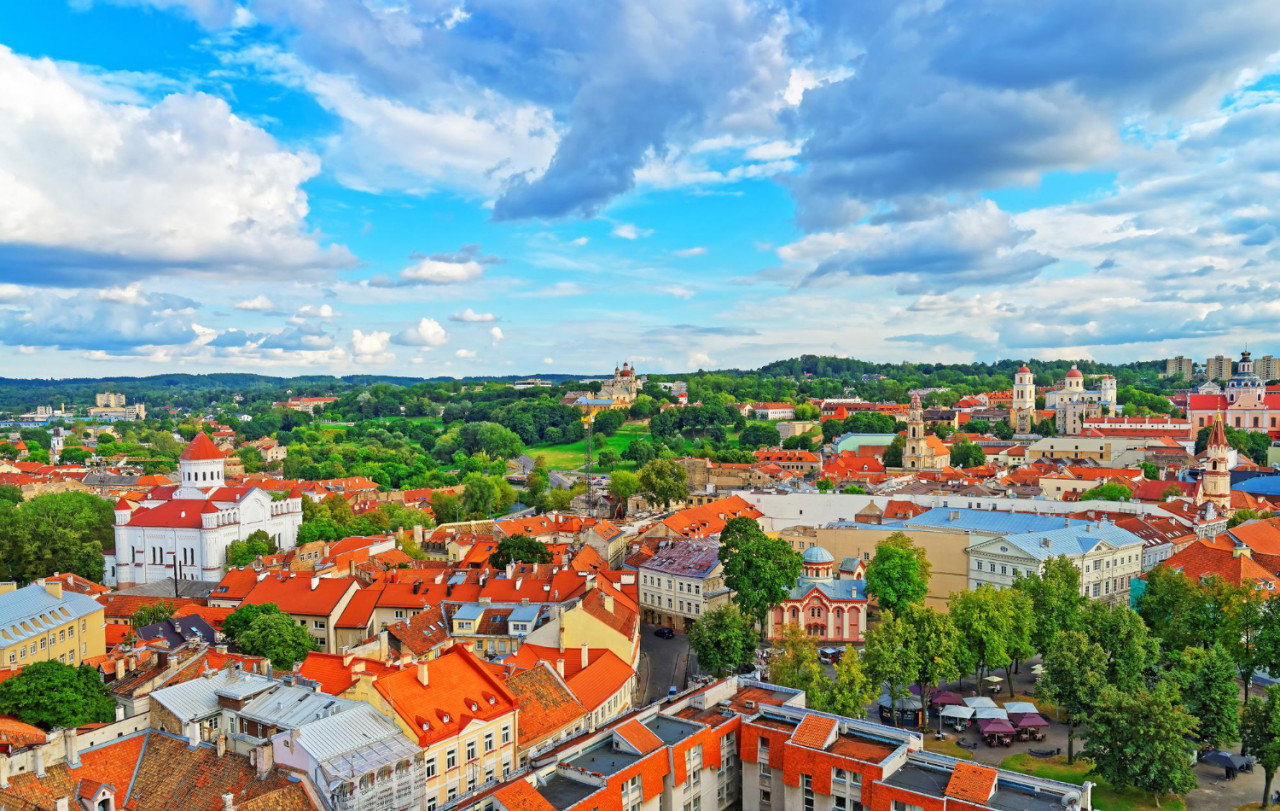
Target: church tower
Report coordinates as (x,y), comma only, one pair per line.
(1216,477)
(916,450)
(1022,412)
(200,467)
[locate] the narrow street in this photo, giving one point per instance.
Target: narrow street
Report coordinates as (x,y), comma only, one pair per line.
(664,662)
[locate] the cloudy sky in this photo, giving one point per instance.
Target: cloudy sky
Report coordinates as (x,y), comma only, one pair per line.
(457,187)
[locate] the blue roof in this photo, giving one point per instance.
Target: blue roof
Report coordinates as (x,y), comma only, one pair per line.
(1075,540)
(990,522)
(525,613)
(1260,486)
(835,589)
(31,611)
(469,611)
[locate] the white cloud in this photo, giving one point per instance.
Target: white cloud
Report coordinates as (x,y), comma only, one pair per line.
(13,292)
(426,332)
(699,360)
(686,252)
(580,241)
(557,290)
(433,271)
(256,304)
(371,347)
(496,334)
(465,353)
(470,316)
(548,361)
(131,294)
(96,190)
(27,350)
(314,311)
(626,230)
(678,290)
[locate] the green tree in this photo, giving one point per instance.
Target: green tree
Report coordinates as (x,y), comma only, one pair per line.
(824,485)
(891,658)
(850,691)
(1074,674)
(1130,650)
(899,573)
(1056,601)
(981,619)
(151,614)
(1241,516)
(447,507)
(622,486)
(1212,696)
(1260,733)
(1149,471)
(807,411)
(519,549)
(242,553)
(934,647)
(74,456)
(609,458)
(278,638)
(52,695)
(238,621)
(664,482)
(1172,607)
(758,434)
(1111,491)
(1138,739)
(965,453)
(724,640)
(760,570)
(892,456)
(1019,623)
(479,496)
(797,665)
(10,495)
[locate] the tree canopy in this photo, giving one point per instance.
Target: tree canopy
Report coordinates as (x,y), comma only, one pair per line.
(277,637)
(1138,739)
(760,570)
(519,549)
(664,482)
(898,574)
(724,640)
(51,694)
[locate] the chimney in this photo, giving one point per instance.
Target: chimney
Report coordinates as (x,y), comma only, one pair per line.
(221,745)
(560,667)
(562,636)
(584,656)
(347,656)
(383,644)
(119,712)
(72,746)
(222,649)
(228,802)
(53,587)
(263,760)
(608,603)
(120,668)
(422,673)
(357,667)
(62,804)
(315,581)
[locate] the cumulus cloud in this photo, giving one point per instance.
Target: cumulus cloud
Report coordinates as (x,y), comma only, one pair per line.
(495,333)
(464,265)
(309,311)
(110,320)
(371,347)
(678,290)
(557,290)
(259,303)
(465,354)
(687,252)
(97,190)
(470,316)
(626,230)
(427,332)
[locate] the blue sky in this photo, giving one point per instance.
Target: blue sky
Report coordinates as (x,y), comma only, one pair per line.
(462,187)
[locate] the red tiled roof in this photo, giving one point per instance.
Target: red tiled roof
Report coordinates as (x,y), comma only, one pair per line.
(201,448)
(235,585)
(298,595)
(182,513)
(546,703)
(210,614)
(124,605)
(639,736)
(335,677)
(459,688)
(813,731)
(520,796)
(600,680)
(710,518)
(15,733)
(971,783)
(1202,559)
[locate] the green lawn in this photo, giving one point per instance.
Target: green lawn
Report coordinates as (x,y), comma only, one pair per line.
(946,747)
(573,455)
(1056,768)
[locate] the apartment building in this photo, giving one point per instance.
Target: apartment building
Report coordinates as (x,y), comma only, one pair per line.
(1218,367)
(755,746)
(42,622)
(1180,367)
(315,603)
(1106,555)
(681,582)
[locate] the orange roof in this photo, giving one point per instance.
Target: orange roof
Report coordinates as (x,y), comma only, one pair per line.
(710,518)
(1203,558)
(639,736)
(600,680)
(459,688)
(971,783)
(214,616)
(201,448)
(813,731)
(1262,537)
(520,796)
(335,676)
(546,703)
(15,733)
(73,582)
(309,596)
(116,632)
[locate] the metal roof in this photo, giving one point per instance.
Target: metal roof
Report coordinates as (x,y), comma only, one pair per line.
(1074,540)
(469,611)
(32,612)
(198,698)
(362,740)
(989,522)
(289,707)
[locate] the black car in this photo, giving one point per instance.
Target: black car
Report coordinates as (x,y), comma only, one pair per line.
(664,633)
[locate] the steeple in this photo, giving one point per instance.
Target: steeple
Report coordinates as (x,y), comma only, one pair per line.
(1216,474)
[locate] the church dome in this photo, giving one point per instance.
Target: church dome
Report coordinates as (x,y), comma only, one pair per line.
(1074,372)
(817,555)
(1023,370)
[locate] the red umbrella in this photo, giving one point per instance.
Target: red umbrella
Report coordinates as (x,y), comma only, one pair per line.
(946,698)
(995,726)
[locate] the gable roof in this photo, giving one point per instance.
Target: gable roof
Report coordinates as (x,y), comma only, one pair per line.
(459,688)
(201,448)
(309,596)
(971,783)
(546,703)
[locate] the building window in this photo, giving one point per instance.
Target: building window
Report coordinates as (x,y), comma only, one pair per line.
(506,735)
(488,741)
(471,751)
(451,760)
(431,768)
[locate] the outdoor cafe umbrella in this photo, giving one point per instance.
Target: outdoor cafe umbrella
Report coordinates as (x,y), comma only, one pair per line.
(990,712)
(1020,707)
(1037,668)
(946,698)
(1224,760)
(994,679)
(978,701)
(995,726)
(1027,720)
(958,712)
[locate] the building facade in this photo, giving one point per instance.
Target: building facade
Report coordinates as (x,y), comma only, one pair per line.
(43,623)
(1106,555)
(1243,404)
(183,531)
(829,610)
(681,582)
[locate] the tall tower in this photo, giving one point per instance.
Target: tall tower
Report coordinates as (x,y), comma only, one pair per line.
(1107,387)
(1215,480)
(1022,412)
(1074,380)
(915,451)
(1245,388)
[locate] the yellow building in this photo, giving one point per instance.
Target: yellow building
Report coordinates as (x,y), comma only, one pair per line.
(40,623)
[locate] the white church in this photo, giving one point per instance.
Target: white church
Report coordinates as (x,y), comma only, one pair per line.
(184,530)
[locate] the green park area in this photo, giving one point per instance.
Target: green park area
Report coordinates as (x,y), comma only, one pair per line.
(573,455)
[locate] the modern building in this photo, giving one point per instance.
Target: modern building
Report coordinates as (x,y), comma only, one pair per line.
(1218,367)
(43,622)
(1180,367)
(183,531)
(1244,404)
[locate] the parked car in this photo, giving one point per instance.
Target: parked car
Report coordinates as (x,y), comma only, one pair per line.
(664,633)
(671,691)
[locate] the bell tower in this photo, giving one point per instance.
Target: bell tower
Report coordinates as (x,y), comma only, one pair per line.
(1215,479)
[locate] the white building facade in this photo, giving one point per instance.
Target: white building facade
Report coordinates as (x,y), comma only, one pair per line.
(183,532)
